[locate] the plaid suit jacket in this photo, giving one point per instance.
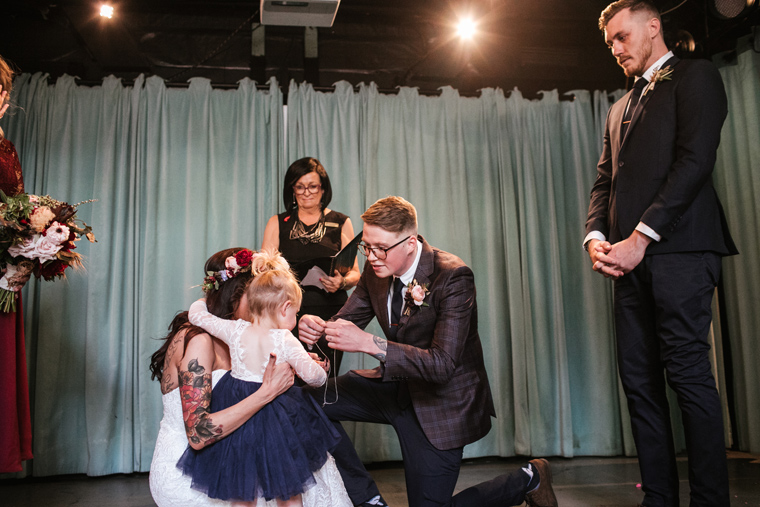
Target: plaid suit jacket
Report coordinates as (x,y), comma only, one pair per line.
(437,349)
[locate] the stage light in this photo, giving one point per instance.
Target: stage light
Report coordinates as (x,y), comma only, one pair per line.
(106,11)
(466,28)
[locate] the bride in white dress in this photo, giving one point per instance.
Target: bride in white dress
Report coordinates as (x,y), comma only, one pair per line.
(167,484)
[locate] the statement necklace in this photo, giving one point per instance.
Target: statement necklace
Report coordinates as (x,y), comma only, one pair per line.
(311,234)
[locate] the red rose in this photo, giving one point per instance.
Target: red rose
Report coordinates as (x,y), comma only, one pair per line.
(52,269)
(243,257)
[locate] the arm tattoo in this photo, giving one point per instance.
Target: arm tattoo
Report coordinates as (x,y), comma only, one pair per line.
(167,384)
(195,392)
(382,344)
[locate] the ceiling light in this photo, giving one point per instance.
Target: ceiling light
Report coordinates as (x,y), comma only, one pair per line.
(466,28)
(106,11)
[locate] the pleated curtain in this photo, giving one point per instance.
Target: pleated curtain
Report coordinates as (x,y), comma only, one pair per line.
(499,179)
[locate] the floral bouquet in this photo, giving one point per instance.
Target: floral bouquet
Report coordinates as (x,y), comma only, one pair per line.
(37,236)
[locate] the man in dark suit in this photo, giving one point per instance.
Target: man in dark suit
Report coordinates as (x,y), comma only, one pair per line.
(656,226)
(431,385)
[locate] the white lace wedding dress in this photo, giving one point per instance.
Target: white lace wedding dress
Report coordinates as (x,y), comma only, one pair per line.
(328,489)
(167,484)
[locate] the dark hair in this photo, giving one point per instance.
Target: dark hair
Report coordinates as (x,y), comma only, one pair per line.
(299,169)
(180,322)
(634,5)
(222,303)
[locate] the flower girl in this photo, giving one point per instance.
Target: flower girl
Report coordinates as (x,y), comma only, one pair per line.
(281,454)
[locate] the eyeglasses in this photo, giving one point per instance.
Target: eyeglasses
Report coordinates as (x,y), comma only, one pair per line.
(300,189)
(378,252)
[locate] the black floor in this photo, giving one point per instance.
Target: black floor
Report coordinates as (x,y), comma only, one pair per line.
(587,482)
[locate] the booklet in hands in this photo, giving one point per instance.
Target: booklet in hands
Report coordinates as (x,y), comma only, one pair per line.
(309,272)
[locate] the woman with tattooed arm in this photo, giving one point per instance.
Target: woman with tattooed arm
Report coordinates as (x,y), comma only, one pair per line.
(188,365)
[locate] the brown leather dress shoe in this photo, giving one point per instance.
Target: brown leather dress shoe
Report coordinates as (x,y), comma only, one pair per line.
(543,495)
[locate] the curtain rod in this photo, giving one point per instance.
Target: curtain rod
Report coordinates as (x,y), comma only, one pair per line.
(325,89)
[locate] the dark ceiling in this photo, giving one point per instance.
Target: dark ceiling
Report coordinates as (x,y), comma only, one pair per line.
(529,44)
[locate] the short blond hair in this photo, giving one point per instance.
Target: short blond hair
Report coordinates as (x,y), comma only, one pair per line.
(273,284)
(634,5)
(392,213)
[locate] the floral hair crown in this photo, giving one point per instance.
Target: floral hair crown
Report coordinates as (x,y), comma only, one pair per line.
(234,264)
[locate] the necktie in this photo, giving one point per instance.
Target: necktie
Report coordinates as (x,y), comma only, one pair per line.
(635,96)
(396,304)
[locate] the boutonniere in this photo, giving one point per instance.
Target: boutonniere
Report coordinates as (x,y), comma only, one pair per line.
(415,295)
(663,74)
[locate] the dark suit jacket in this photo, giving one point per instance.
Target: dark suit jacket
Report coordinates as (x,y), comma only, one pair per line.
(437,350)
(661,173)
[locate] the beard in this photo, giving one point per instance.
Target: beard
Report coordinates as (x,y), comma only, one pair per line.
(639,58)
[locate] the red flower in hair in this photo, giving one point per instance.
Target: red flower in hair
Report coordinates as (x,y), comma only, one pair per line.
(243,257)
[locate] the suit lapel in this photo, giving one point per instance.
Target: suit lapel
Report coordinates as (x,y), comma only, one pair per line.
(644,99)
(422,275)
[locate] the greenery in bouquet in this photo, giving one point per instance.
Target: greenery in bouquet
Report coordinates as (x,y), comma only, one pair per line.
(37,237)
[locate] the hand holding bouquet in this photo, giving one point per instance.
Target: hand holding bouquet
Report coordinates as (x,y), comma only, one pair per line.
(37,236)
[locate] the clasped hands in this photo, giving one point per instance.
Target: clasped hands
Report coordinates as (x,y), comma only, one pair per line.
(614,261)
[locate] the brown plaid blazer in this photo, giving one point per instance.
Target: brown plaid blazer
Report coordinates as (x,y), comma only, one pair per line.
(437,350)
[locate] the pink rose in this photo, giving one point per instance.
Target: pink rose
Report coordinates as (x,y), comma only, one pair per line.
(25,248)
(418,295)
(45,250)
(231,263)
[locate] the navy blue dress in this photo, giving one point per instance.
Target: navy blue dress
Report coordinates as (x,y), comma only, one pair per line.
(272,455)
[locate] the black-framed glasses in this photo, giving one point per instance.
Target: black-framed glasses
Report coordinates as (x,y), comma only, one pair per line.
(379,252)
(300,189)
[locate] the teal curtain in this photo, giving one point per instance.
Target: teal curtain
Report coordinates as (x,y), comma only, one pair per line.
(179,174)
(737,180)
(501,181)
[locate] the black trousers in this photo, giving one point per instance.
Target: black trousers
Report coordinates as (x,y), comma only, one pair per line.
(431,474)
(662,319)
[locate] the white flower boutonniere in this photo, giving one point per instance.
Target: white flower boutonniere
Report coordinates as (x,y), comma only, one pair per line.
(415,294)
(663,74)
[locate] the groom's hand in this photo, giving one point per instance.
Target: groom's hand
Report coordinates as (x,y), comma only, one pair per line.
(310,329)
(348,337)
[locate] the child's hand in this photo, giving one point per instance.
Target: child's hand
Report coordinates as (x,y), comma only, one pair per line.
(324,363)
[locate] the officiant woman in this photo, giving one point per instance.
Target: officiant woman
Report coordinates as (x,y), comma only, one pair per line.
(308,230)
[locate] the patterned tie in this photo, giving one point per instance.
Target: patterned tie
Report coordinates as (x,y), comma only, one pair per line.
(396,304)
(638,86)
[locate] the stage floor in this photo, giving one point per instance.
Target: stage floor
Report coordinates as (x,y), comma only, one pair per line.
(578,482)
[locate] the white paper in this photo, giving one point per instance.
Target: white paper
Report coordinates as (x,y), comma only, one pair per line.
(313,276)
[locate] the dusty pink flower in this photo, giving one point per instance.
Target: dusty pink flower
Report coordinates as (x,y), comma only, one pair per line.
(418,294)
(45,250)
(57,233)
(231,263)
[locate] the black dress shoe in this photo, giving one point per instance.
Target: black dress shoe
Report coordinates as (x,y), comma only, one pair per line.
(543,495)
(377,501)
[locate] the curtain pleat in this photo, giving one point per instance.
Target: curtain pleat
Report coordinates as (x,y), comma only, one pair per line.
(501,181)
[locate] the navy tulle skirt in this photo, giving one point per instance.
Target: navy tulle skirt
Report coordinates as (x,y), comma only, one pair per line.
(273,455)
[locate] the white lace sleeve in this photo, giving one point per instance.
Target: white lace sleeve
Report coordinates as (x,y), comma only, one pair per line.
(228,331)
(289,349)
